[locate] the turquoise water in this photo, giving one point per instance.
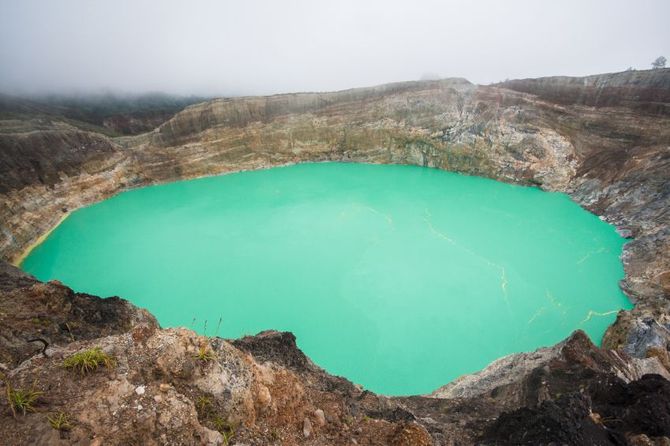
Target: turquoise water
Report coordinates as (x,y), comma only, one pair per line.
(400,278)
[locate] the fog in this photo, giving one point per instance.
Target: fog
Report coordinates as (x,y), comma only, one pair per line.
(269,46)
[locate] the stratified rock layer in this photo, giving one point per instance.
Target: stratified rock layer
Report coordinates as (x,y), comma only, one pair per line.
(603,139)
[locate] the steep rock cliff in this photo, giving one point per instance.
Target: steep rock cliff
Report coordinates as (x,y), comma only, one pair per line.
(603,139)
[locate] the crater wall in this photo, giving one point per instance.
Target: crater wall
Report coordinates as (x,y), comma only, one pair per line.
(605,140)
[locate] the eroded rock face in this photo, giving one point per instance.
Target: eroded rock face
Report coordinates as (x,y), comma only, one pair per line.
(610,412)
(645,327)
(604,139)
(645,91)
(572,393)
(53,313)
(45,156)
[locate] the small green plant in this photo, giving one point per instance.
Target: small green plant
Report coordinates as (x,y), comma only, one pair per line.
(203,404)
(88,361)
(60,421)
(224,427)
(22,400)
(40,322)
(204,354)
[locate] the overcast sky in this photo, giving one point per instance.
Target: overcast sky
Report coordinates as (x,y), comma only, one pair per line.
(230,47)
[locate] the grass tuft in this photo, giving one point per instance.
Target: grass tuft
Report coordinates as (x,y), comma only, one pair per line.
(204,354)
(224,427)
(22,400)
(203,404)
(88,361)
(60,421)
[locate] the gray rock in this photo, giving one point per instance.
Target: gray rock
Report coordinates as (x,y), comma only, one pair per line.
(625,232)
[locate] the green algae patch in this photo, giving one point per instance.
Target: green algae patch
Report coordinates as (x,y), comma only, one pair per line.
(399,278)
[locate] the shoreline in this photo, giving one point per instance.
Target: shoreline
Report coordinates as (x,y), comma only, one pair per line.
(26,252)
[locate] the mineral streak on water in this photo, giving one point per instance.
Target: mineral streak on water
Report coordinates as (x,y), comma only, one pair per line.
(400,278)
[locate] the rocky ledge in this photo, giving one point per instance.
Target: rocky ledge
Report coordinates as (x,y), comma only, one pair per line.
(603,139)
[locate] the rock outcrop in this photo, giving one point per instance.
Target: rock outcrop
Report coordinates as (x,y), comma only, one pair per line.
(605,140)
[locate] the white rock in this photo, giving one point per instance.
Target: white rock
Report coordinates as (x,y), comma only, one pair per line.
(140,390)
(320,417)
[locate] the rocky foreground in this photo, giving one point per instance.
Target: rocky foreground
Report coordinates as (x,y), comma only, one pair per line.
(603,139)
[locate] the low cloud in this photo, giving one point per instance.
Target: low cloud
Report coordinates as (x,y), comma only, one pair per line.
(269,46)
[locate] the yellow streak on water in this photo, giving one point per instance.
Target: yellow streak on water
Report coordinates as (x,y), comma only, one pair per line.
(503,273)
(26,252)
(536,315)
(595,313)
